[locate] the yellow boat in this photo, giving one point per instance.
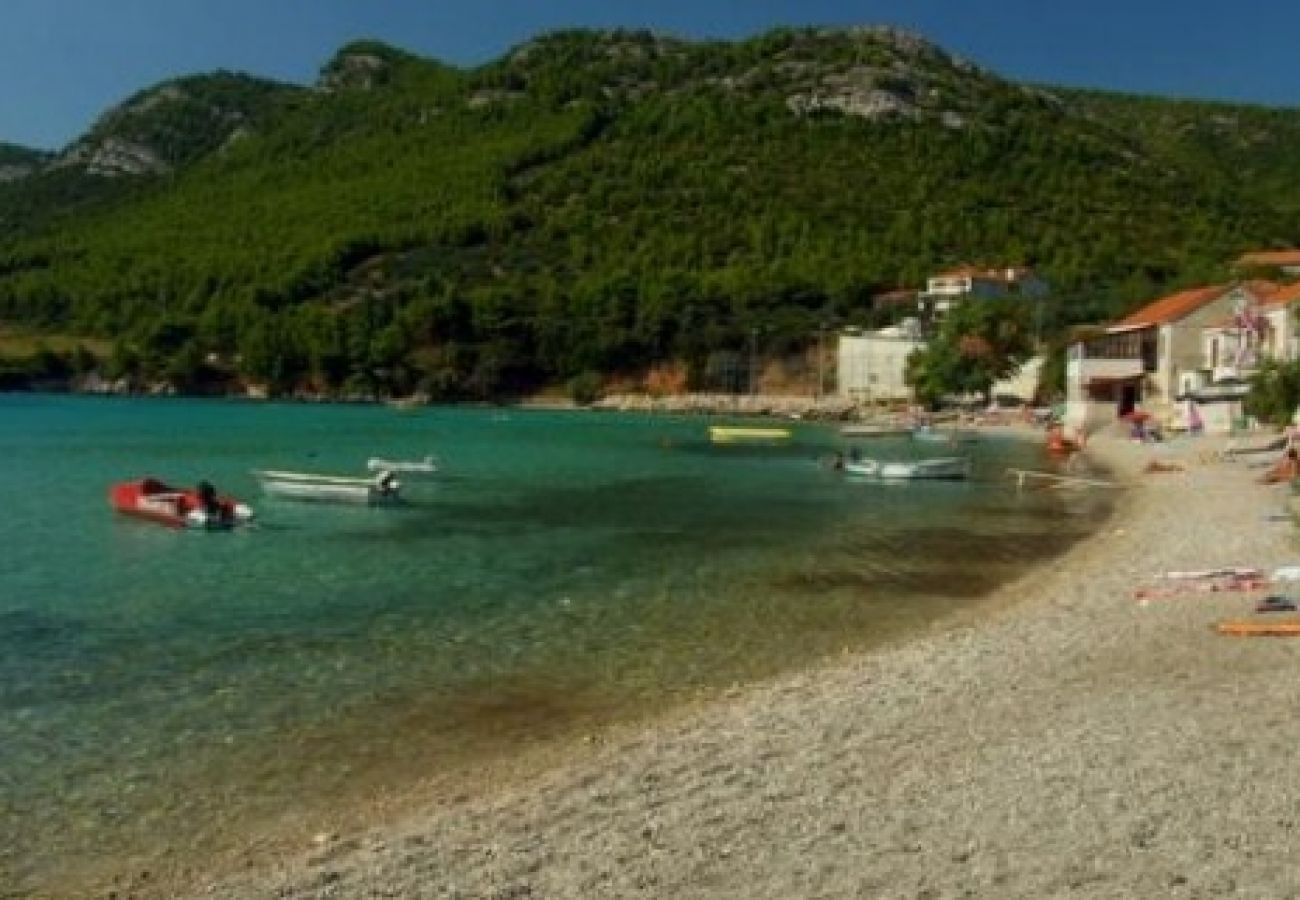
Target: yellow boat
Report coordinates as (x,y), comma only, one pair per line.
(735,434)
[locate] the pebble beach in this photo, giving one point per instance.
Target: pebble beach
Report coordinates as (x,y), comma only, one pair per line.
(1067,740)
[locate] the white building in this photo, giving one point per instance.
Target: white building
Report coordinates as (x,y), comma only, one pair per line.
(1021,386)
(1173,349)
(947,289)
(871,366)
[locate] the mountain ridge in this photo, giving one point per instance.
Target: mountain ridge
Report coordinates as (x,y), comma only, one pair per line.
(610,201)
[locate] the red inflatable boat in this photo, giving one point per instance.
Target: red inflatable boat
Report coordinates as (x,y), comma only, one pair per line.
(149,498)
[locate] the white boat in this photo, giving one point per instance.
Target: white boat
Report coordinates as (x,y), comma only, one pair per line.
(946,467)
(875,429)
(424,466)
(930,435)
(377,489)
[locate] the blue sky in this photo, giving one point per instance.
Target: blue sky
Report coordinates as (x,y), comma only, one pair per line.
(62,62)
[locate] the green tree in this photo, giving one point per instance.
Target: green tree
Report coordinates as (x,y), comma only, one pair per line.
(978,342)
(1274,394)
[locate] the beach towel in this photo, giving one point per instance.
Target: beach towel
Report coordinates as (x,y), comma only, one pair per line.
(1202,581)
(1225,572)
(1191,588)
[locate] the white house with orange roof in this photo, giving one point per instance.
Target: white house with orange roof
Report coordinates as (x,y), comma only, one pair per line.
(1285,261)
(947,289)
(1153,357)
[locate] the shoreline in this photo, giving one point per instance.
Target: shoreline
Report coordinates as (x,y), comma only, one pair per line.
(828,409)
(1070,741)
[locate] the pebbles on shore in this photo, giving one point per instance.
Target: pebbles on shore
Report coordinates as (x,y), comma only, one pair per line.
(1075,743)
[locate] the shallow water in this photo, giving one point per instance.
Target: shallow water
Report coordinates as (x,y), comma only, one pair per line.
(564,569)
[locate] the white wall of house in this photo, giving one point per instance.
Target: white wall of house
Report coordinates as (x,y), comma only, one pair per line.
(871,366)
(1023,385)
(944,292)
(1283,335)
(1181,348)
(965,286)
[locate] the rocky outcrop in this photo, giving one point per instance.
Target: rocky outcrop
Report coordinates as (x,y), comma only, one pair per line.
(114,157)
(171,125)
(355,71)
(14,171)
(873,104)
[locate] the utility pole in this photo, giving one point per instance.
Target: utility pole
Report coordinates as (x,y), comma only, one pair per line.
(753,350)
(821,360)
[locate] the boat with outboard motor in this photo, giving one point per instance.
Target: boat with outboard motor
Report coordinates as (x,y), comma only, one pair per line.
(155,501)
(946,468)
(379,489)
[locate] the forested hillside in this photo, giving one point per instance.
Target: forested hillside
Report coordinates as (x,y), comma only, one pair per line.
(602,202)
(21,160)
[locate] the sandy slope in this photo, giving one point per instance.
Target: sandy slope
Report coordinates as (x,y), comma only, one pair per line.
(1074,744)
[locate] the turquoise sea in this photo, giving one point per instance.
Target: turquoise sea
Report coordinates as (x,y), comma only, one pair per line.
(565,569)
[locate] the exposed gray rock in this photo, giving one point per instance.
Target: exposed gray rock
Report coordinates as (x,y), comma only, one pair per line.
(170,93)
(951,119)
(114,157)
(14,171)
(355,70)
(872,105)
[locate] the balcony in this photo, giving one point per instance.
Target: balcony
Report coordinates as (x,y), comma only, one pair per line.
(1232,373)
(1084,370)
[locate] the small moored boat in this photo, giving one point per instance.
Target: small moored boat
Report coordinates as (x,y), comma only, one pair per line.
(155,501)
(947,467)
(424,466)
(930,435)
(875,429)
(380,488)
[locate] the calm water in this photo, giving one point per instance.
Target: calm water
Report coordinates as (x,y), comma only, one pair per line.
(568,568)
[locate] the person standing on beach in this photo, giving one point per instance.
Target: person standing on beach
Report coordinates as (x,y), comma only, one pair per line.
(1286,469)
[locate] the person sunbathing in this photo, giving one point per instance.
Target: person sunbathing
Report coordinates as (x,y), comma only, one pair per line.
(1286,469)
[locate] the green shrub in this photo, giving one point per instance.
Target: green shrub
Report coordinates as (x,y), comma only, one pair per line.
(586,388)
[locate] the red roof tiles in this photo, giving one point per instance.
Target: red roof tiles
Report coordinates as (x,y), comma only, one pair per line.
(1270,258)
(1283,296)
(1171,308)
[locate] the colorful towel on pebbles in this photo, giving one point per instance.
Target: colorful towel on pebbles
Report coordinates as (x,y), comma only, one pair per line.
(1206,581)
(1211,581)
